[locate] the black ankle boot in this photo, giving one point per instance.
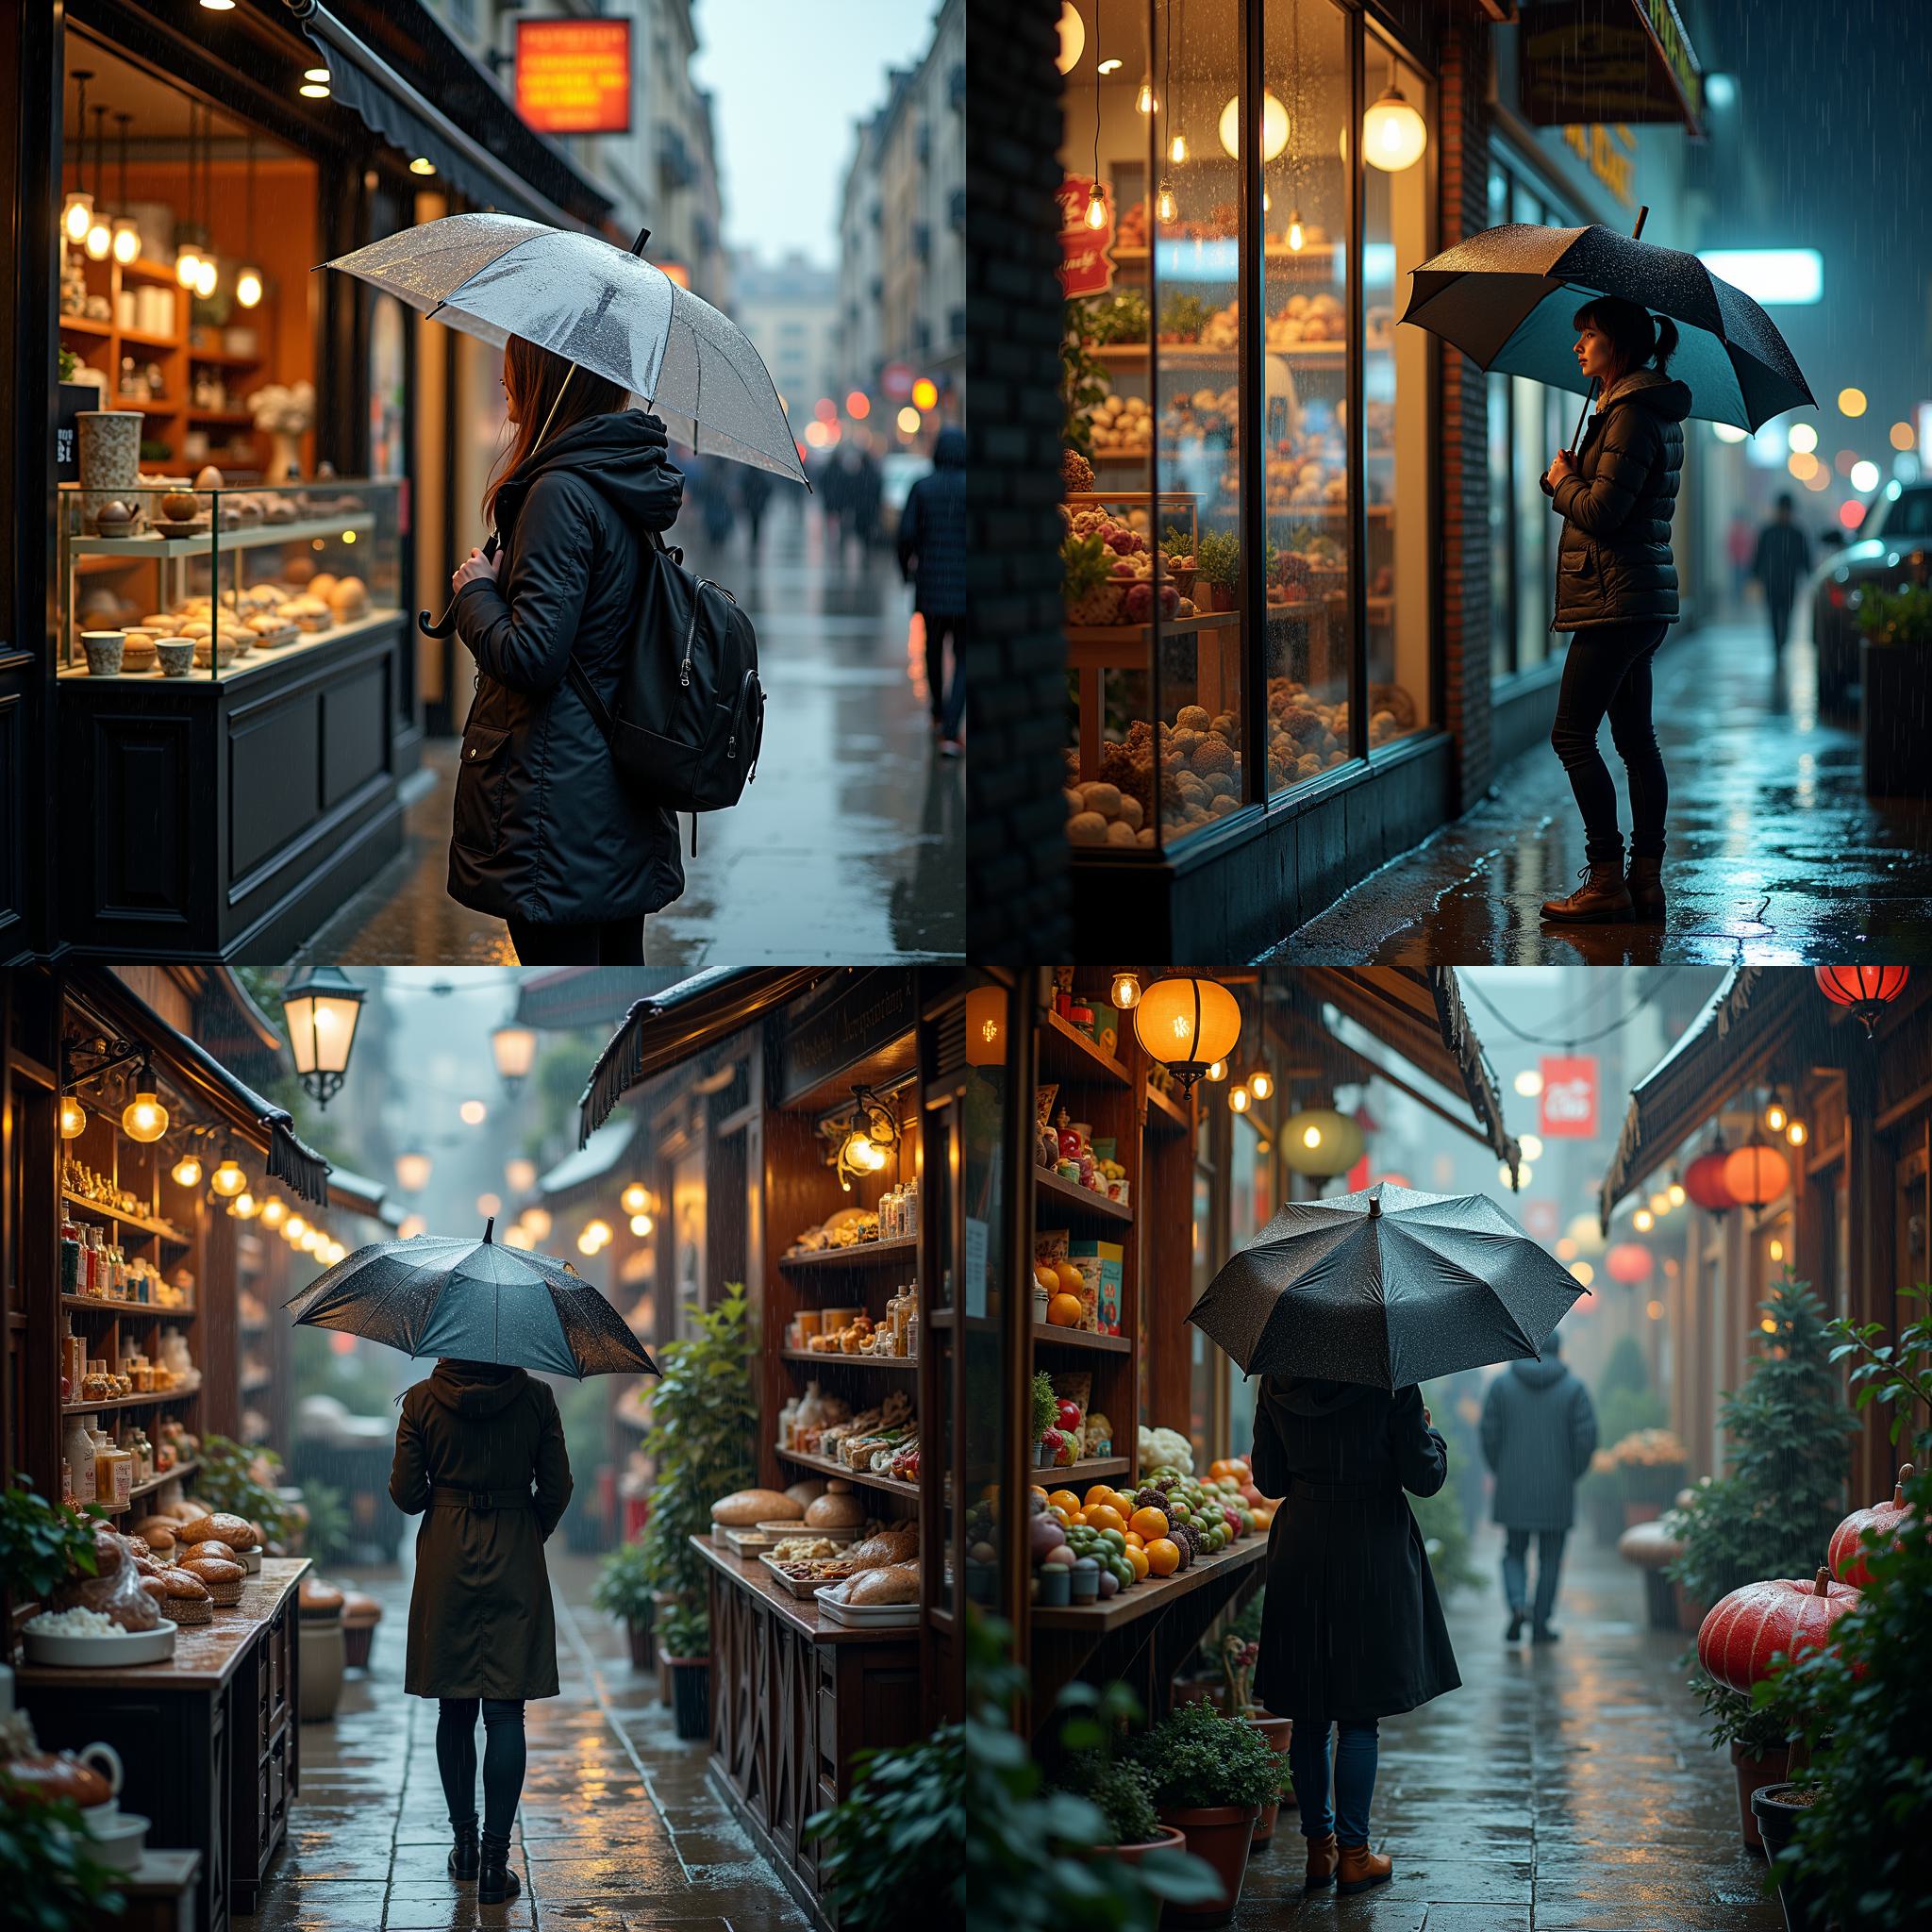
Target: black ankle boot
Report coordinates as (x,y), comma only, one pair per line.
(1645,883)
(463,1857)
(495,1881)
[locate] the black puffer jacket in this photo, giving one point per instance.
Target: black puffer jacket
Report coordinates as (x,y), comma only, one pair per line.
(545,829)
(1614,565)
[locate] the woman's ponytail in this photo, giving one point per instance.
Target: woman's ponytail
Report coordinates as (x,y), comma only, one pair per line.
(1666,344)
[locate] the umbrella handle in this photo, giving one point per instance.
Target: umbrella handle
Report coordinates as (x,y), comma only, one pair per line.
(1636,235)
(442,627)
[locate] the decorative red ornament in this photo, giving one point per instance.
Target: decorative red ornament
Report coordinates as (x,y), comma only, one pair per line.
(1848,1551)
(1742,1633)
(1629,1263)
(1866,989)
(1704,1181)
(1756,1175)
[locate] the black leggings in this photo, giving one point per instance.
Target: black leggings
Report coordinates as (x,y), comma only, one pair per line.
(502,1759)
(609,942)
(1608,669)
(948,703)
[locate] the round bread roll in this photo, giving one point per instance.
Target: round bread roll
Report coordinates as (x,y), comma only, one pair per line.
(835,1512)
(188,1599)
(221,1552)
(156,1532)
(222,1527)
(222,1580)
(897,1583)
(323,584)
(807,1493)
(745,1507)
(897,1545)
(151,1582)
(838,1485)
(349,598)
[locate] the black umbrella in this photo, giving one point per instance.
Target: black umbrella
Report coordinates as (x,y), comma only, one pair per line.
(449,1295)
(1505,297)
(1388,1287)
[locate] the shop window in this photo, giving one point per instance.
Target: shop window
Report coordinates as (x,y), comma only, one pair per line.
(1502,549)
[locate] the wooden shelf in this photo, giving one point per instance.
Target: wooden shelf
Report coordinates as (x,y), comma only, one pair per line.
(141,1489)
(223,359)
(1068,1054)
(1051,1334)
(818,1357)
(143,270)
(824,1465)
(1076,1199)
(146,341)
(158,1309)
(1167,1115)
(1091,1471)
(131,1401)
(865,1253)
(138,1220)
(1152,1595)
(235,416)
(84,325)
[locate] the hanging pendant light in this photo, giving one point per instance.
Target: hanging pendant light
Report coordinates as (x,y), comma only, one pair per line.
(1273,126)
(1319,1140)
(1190,1026)
(207,277)
(126,231)
(187,248)
(1125,991)
(1297,235)
(145,1118)
(1866,989)
(77,211)
(1393,134)
(1165,205)
(1096,200)
(248,277)
(1260,1083)
(73,1117)
(99,241)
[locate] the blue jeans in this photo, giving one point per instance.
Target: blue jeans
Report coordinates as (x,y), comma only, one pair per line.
(1354,1777)
(1549,1562)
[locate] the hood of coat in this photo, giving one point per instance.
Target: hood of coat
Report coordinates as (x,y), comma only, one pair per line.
(1545,1374)
(1310,1395)
(475,1388)
(1649,388)
(622,456)
(949,450)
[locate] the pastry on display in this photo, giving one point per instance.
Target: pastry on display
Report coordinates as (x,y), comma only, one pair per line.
(307,612)
(745,1507)
(349,599)
(224,1579)
(187,1599)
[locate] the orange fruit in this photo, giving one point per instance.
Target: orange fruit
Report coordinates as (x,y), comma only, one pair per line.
(1105,1516)
(1078,1516)
(1138,1557)
(1164,1558)
(1039,1492)
(1151,1523)
(1135,1540)
(1047,1276)
(1064,1312)
(1070,1278)
(1064,1499)
(1100,1492)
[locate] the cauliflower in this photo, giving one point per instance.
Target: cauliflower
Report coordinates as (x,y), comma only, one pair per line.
(1165,1449)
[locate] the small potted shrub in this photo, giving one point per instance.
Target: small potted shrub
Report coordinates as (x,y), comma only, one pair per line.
(1211,1779)
(1178,564)
(1894,651)
(1117,1788)
(686,1631)
(623,1590)
(1238,1652)
(1218,559)
(41,1544)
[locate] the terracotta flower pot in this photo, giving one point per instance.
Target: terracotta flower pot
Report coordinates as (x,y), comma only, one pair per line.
(1754,1774)
(1278,1730)
(1170,1840)
(1264,1824)
(1223,1835)
(1221,596)
(1635,1512)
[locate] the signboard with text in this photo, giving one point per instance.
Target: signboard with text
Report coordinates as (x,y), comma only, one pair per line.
(1604,60)
(1086,256)
(1569,1098)
(573,76)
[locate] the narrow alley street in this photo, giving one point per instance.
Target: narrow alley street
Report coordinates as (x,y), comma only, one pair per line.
(1775,856)
(846,846)
(1563,1789)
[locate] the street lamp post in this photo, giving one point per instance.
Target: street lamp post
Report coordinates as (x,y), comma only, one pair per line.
(515,1048)
(322,1009)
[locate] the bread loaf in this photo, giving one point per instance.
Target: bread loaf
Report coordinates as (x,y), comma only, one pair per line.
(221,1527)
(187,1599)
(898,1545)
(745,1507)
(212,1548)
(807,1493)
(834,1512)
(897,1583)
(221,1580)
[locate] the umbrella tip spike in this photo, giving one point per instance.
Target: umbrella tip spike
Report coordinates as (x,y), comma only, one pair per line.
(490,1228)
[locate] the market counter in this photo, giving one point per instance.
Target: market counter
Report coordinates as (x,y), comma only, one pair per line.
(793,1698)
(209,1741)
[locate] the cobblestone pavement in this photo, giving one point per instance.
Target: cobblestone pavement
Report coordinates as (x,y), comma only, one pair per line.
(1566,1789)
(1776,857)
(619,1828)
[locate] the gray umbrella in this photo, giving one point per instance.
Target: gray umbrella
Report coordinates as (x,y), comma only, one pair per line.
(441,1294)
(1388,1287)
(1505,297)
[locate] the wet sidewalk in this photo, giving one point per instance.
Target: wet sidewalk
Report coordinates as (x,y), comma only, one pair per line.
(848,846)
(619,1828)
(1776,857)
(1567,1787)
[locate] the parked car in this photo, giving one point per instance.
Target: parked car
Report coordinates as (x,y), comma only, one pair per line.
(1891,547)
(898,473)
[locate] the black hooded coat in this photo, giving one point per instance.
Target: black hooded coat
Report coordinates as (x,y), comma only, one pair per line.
(545,829)
(1614,563)
(1351,1626)
(480,1620)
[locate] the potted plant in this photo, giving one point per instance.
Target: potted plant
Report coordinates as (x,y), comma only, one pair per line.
(1650,1470)
(1177,563)
(686,1631)
(244,1482)
(1895,635)
(40,1544)
(1211,1779)
(1756,1740)
(622,1589)
(1218,559)
(1238,1652)
(47,1865)
(1116,1786)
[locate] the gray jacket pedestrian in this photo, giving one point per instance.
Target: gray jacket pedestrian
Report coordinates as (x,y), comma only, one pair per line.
(1538,1434)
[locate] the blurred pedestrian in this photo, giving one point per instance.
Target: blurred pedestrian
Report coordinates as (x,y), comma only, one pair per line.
(932,553)
(1352,1628)
(1538,1434)
(1617,594)
(1738,542)
(1781,563)
(754,493)
(868,484)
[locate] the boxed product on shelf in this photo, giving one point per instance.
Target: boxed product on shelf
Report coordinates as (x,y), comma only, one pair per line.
(1100,1266)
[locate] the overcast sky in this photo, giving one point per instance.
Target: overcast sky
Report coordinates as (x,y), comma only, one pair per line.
(788,78)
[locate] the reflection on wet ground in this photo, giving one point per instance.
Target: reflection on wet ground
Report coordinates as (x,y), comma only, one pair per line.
(847,846)
(1776,857)
(618,1828)
(1567,1787)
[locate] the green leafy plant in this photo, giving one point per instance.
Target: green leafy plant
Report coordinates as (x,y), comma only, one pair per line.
(703,1420)
(1903,616)
(327,1537)
(1183,318)
(49,1877)
(1736,1720)
(1197,1757)
(1121,317)
(1218,557)
(1083,383)
(684,1629)
(1892,1373)
(1175,543)
(69,363)
(1085,562)
(231,1477)
(1045,1404)
(622,1588)
(41,1542)
(1116,1785)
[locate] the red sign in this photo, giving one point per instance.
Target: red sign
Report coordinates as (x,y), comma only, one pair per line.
(573,76)
(1086,264)
(1569,1102)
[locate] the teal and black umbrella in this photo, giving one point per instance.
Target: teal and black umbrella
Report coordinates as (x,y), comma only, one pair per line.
(448,1295)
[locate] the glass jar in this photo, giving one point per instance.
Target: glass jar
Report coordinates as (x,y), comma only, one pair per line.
(77,1448)
(70,1256)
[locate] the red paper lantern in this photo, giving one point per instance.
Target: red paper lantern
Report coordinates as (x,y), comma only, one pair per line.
(1704,1181)
(1756,1175)
(1737,1641)
(1848,1552)
(1866,989)
(1629,1263)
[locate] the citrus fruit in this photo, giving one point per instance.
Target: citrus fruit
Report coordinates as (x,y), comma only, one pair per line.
(1064,1499)
(1164,1558)
(1105,1516)
(1136,1541)
(1100,1492)
(1149,1523)
(1070,1278)
(1138,1557)
(1063,1311)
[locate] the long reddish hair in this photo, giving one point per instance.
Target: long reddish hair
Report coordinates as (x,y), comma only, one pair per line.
(532,379)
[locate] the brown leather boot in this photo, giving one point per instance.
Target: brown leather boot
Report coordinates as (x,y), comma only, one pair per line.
(1602,897)
(1645,884)
(1322,1857)
(1361,1868)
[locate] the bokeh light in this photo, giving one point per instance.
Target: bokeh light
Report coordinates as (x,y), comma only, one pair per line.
(1904,436)
(1851,514)
(473,1113)
(1851,402)
(925,393)
(1802,438)
(1528,1083)
(1865,476)
(909,421)
(1802,466)
(859,405)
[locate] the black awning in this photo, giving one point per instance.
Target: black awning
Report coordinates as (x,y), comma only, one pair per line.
(357,1194)
(395,64)
(584,996)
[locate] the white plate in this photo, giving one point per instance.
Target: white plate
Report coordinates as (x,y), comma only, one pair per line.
(867,1616)
(249,1560)
(118,1835)
(102,1653)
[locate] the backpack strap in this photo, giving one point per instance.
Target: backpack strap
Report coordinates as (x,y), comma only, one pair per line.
(599,710)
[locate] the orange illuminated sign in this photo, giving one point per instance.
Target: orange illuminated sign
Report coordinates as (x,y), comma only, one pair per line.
(573,76)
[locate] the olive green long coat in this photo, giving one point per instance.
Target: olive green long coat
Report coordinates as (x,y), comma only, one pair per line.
(480,1620)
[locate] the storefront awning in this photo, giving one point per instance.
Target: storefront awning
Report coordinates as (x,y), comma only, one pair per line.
(355,1193)
(582,996)
(671,1025)
(1596,62)
(199,1077)
(593,1160)
(1420,1015)
(396,66)
(1746,1024)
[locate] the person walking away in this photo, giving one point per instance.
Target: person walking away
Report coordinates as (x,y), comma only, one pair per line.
(1781,562)
(1352,1628)
(546,836)
(1617,595)
(1539,1434)
(868,486)
(932,553)
(754,493)
(480,1457)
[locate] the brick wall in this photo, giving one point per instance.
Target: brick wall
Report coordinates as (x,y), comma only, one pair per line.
(1016,853)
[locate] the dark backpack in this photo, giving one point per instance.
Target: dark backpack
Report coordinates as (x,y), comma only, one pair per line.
(689,714)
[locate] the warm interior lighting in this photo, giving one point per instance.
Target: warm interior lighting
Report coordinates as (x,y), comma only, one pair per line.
(422,165)
(99,240)
(519,1176)
(488,1205)
(145,1118)
(412,1173)
(187,1171)
(1237,1098)
(1675,1190)
(1177,149)
(1644,1221)
(1583,1272)
(1073,37)
(1775,1118)
(1165,205)
(227,1179)
(985,1027)
(1145,101)
(861,1154)
(1096,208)
(1189,1025)
(538,1221)
(313,90)
(1297,235)
(473,1113)
(635,1198)
(1273,126)
(126,239)
(1776,1250)
(1654,1310)
(596,1234)
(1797,1133)
(244,1207)
(77,216)
(1125,991)
(320,1009)
(1528,1083)
(515,1048)
(1216,1071)
(641,1225)
(73,1117)
(274,1210)
(1260,1083)
(248,287)
(1393,134)
(206,277)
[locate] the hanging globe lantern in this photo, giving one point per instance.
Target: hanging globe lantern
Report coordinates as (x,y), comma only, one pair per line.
(1866,989)
(1756,1175)
(1629,1262)
(1321,1142)
(1587,1233)
(1190,1026)
(1704,1182)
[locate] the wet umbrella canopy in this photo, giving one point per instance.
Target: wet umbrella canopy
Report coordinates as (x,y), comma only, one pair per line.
(1388,1287)
(1506,298)
(441,1294)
